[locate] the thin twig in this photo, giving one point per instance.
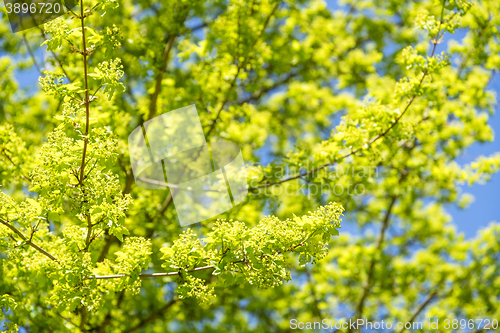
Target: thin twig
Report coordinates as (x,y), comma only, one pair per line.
(420,308)
(144,275)
(314,294)
(173,186)
(153,317)
(26,240)
(31,54)
(371,270)
(435,41)
(159,78)
(258,95)
(59,62)
(14,164)
(240,67)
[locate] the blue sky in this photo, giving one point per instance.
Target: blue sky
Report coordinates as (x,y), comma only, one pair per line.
(486,206)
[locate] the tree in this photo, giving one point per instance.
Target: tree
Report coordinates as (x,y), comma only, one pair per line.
(361,109)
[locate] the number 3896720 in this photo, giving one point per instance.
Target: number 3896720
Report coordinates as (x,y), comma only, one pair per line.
(471,324)
(33,8)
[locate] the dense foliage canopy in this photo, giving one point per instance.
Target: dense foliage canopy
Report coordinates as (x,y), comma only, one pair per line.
(359,112)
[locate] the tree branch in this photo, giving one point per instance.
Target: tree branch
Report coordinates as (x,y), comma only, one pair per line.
(144,275)
(159,78)
(240,66)
(59,62)
(153,317)
(27,240)
(314,295)
(14,164)
(107,319)
(31,53)
(87,106)
(170,185)
(88,239)
(371,270)
(265,90)
(421,308)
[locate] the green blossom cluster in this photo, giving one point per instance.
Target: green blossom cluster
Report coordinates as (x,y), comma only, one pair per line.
(256,255)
